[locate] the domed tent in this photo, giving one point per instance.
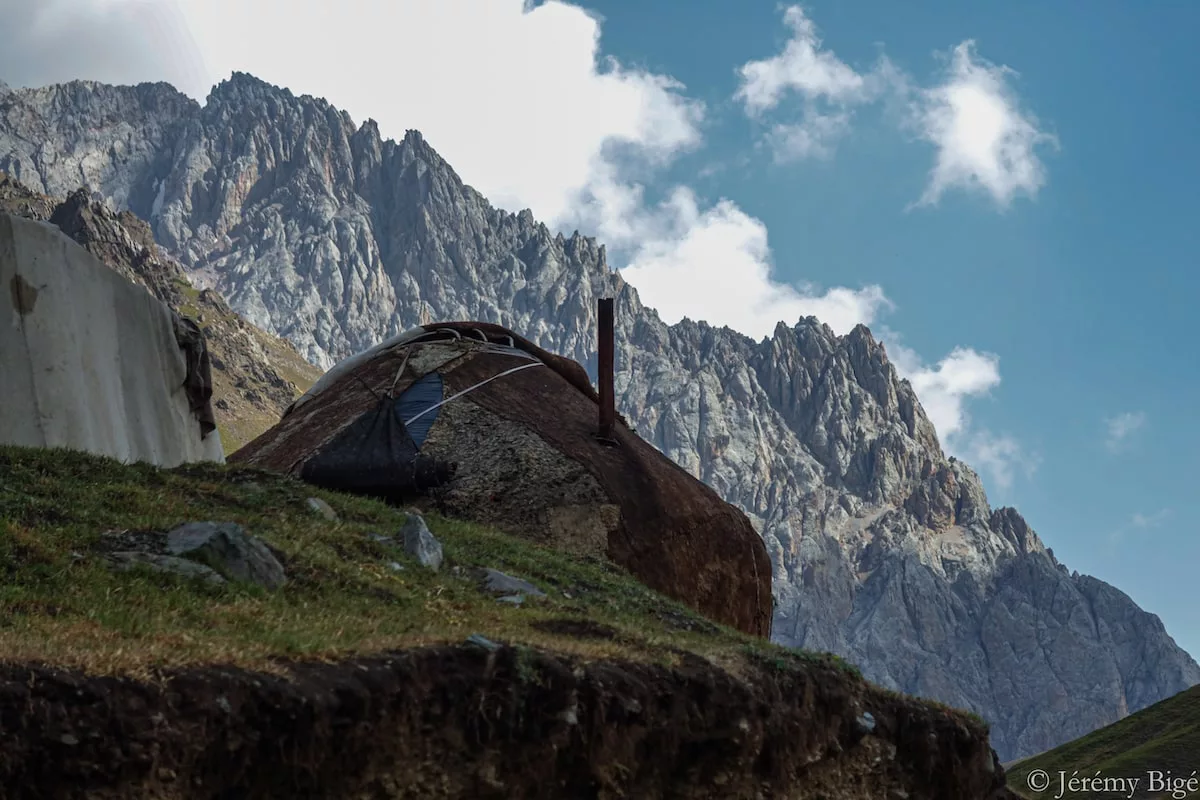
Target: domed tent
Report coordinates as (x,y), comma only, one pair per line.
(492,428)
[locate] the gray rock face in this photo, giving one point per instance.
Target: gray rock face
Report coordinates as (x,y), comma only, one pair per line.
(884,550)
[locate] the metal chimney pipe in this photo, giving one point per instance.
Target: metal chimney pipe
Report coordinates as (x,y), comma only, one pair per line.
(605,344)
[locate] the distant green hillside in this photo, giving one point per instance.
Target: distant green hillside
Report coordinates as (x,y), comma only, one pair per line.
(1162,740)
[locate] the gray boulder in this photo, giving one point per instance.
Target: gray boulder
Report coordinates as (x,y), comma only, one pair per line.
(229,550)
(319,506)
(511,590)
(129,559)
(420,543)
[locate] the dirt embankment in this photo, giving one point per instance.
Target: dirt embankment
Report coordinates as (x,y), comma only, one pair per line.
(466,722)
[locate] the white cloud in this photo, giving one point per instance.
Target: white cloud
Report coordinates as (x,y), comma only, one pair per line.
(1121,427)
(803,67)
(714,264)
(114,41)
(984,139)
(1144,522)
(1002,458)
(536,118)
(944,390)
(815,136)
(519,99)
(828,88)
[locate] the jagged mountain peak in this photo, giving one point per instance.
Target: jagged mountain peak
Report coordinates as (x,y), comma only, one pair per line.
(847,404)
(370,127)
(1009,523)
(414,138)
(239,78)
(415,147)
(242,86)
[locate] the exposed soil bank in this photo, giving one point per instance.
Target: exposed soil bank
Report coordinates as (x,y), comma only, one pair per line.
(463,722)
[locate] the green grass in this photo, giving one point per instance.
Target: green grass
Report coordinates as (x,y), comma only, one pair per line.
(190,295)
(1165,736)
(60,602)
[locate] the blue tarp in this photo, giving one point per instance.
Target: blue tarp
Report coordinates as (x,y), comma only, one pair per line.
(421,395)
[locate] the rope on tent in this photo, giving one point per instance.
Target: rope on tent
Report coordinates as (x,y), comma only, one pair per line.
(399,372)
(471,389)
(503,350)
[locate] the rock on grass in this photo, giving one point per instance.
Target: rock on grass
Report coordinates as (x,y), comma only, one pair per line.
(228,549)
(128,559)
(420,543)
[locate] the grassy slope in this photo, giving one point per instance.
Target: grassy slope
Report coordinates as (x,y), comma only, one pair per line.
(61,604)
(1165,736)
(243,421)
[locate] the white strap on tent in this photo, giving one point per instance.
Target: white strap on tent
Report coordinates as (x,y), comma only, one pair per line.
(471,389)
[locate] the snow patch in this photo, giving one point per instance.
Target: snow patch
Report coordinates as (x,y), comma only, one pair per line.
(159,198)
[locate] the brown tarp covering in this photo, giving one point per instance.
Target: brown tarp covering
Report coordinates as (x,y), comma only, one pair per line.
(198,383)
(674,533)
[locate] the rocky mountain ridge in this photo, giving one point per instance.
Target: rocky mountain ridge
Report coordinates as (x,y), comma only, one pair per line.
(884,550)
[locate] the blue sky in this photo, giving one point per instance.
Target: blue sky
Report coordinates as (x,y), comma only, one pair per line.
(1043,313)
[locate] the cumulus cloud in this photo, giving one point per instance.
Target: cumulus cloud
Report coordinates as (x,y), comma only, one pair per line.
(944,390)
(815,136)
(943,387)
(827,87)
(803,67)
(547,123)
(985,141)
(714,264)
(114,41)
(1120,428)
(519,98)
(1002,458)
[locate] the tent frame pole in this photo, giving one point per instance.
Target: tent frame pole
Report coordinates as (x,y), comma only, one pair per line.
(606,346)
